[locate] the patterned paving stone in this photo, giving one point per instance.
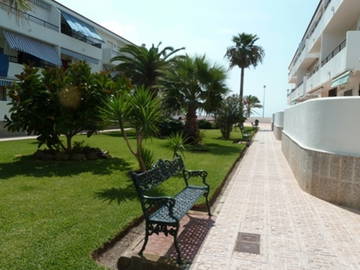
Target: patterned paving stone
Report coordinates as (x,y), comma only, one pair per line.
(298,231)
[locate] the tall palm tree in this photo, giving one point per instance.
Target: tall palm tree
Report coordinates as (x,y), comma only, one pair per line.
(145,66)
(250,103)
(194,84)
(243,54)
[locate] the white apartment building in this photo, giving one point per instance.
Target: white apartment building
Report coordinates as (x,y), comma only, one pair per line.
(50,34)
(327,61)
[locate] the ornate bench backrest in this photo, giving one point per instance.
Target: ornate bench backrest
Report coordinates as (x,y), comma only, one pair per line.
(160,172)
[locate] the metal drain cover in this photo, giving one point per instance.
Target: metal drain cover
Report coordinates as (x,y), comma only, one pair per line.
(248,243)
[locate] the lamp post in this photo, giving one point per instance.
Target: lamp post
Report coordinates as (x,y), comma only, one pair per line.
(264,102)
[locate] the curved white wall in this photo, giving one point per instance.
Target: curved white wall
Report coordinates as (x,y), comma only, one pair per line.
(327,124)
(279,119)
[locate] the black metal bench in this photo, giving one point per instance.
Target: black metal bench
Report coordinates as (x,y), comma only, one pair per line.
(163,214)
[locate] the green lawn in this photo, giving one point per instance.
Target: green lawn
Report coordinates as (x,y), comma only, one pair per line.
(53,215)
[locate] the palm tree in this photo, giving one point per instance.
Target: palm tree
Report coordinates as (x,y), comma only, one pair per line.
(143,66)
(243,54)
(250,103)
(191,85)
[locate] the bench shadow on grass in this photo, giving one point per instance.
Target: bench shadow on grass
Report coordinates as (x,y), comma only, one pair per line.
(119,195)
(26,166)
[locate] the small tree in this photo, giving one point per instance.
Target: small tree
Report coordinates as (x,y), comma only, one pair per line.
(57,102)
(228,114)
(142,111)
(250,103)
(194,84)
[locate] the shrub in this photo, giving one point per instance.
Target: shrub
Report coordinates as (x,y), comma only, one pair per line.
(53,102)
(177,143)
(204,124)
(169,126)
(148,157)
(229,113)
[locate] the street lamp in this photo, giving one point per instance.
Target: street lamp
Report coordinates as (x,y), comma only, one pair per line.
(264,102)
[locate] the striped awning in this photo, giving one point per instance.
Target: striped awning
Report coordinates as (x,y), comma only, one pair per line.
(341,79)
(79,56)
(81,27)
(32,46)
(4,82)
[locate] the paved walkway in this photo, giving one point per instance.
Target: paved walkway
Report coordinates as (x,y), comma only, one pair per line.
(297,230)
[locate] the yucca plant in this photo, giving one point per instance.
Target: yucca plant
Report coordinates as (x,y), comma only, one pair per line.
(177,144)
(141,110)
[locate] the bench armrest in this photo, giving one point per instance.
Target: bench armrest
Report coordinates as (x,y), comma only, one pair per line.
(201,173)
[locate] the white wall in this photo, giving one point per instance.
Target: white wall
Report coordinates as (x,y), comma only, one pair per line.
(4,109)
(326,124)
(279,119)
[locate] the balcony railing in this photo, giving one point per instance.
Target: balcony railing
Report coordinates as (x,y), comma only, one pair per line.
(29,17)
(310,32)
(331,55)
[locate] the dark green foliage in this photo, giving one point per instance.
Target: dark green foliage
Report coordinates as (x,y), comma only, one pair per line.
(204,124)
(193,84)
(229,113)
(177,144)
(169,126)
(55,102)
(145,66)
(142,111)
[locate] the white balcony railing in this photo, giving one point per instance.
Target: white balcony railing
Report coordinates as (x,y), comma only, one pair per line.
(29,17)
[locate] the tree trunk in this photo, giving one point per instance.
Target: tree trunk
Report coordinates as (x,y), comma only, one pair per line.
(68,143)
(139,153)
(241,124)
(242,85)
(191,127)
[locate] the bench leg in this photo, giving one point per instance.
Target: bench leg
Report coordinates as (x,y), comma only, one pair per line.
(145,240)
(207,203)
(178,260)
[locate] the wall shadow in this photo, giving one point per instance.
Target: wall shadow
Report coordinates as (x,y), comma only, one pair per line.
(26,166)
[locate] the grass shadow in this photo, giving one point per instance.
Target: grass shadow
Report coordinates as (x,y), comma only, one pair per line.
(26,166)
(117,195)
(120,195)
(220,149)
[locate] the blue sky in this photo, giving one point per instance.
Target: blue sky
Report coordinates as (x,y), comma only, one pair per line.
(207,26)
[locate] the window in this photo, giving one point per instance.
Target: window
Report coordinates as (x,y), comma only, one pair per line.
(348,92)
(333,92)
(2,93)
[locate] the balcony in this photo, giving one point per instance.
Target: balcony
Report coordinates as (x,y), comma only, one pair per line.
(29,17)
(313,34)
(331,55)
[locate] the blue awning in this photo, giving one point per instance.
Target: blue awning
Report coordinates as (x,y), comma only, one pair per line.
(81,27)
(79,56)
(32,46)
